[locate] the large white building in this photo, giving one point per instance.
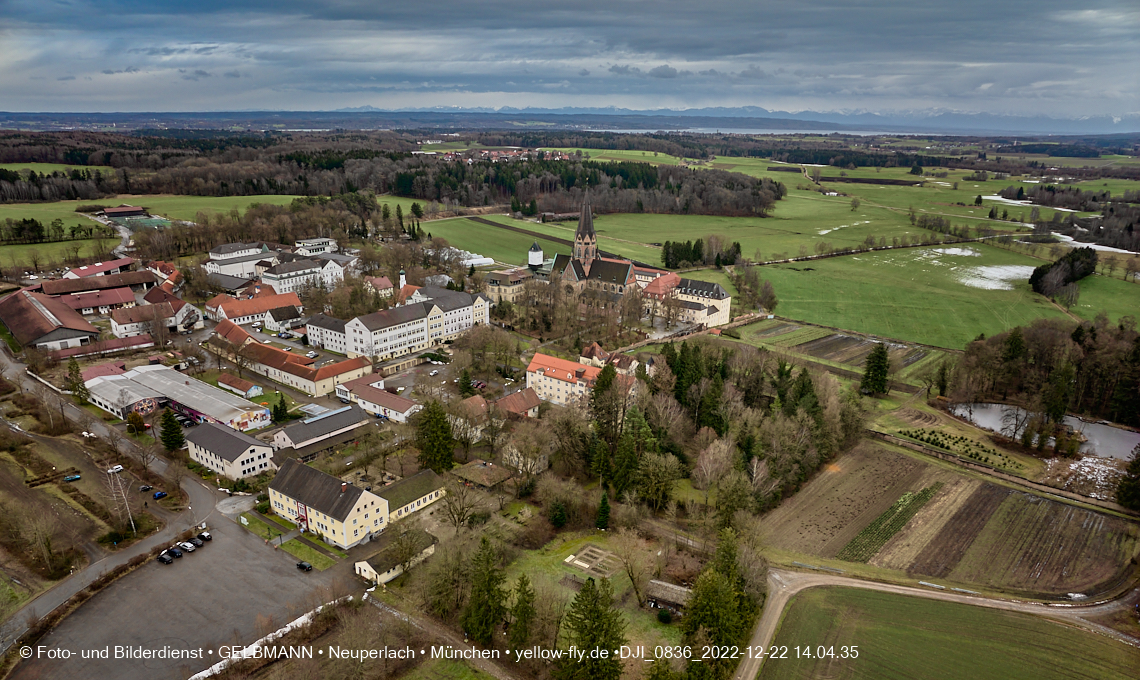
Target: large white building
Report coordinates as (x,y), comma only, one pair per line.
(228,452)
(314,246)
(238,259)
(560,381)
(295,276)
(430,317)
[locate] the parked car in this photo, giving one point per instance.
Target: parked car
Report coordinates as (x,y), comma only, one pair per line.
(311,354)
(115,469)
(187,546)
(304,566)
(72,478)
(159,495)
(433,373)
(205,536)
(165,559)
(145,487)
(174,551)
(195,541)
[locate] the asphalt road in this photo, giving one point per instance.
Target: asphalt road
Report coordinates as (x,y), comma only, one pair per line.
(231,591)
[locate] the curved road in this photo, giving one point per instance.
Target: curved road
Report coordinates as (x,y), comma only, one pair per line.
(202,501)
(784,584)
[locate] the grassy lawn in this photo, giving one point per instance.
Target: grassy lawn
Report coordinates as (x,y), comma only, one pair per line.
(49,168)
(916,639)
(445,669)
(260,528)
(174,207)
(17,255)
(913,294)
(1114,297)
(307,553)
(498,244)
(325,546)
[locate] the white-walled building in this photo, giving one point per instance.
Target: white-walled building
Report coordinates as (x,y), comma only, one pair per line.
(228,452)
(313,246)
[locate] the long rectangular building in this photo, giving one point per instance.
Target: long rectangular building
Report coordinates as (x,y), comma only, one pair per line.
(430,317)
(146,389)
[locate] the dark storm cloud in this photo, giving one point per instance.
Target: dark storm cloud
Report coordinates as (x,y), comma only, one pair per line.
(1044,56)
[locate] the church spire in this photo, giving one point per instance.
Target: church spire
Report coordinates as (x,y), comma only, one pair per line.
(586,220)
(585,239)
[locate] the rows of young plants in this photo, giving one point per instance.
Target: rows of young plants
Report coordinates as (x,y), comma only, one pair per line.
(876,534)
(962,446)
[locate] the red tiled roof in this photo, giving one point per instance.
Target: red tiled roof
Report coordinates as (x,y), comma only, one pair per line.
(381,397)
(142,313)
(288,362)
(100,267)
(98,298)
(105,346)
(235,382)
(562,369)
(159,295)
(519,402)
(475,406)
(662,285)
(380,282)
(258,305)
(72,286)
(30,316)
(111,368)
(405,293)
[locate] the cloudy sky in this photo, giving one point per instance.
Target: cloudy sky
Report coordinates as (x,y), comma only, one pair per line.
(1063,59)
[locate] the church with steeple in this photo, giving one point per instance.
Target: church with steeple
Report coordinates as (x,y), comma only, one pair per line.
(586,268)
(602,280)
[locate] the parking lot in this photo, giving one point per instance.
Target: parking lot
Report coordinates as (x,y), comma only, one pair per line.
(233,590)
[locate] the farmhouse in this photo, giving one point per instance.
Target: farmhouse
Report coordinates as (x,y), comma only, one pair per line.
(407,551)
(339,513)
(127,323)
(36,320)
(186,315)
(228,452)
(99,301)
(412,494)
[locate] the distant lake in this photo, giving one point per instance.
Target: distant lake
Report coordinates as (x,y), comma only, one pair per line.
(750,131)
(1103,440)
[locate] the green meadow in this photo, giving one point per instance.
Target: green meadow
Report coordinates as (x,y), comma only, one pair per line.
(913,638)
(915,294)
(48,168)
(174,207)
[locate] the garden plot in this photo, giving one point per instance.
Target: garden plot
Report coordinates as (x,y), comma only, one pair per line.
(595,561)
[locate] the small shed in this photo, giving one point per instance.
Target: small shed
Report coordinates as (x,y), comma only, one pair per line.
(483,474)
(662,595)
(410,548)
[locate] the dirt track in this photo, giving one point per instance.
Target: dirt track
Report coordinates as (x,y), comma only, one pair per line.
(784,584)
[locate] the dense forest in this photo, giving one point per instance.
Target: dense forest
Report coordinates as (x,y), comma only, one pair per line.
(1054,366)
(379,163)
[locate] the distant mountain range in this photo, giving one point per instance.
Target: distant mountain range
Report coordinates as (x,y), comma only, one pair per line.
(748,119)
(931,120)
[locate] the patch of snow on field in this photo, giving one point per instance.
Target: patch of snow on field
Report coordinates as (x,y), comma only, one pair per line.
(961,252)
(1090,476)
(994,277)
(842,226)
